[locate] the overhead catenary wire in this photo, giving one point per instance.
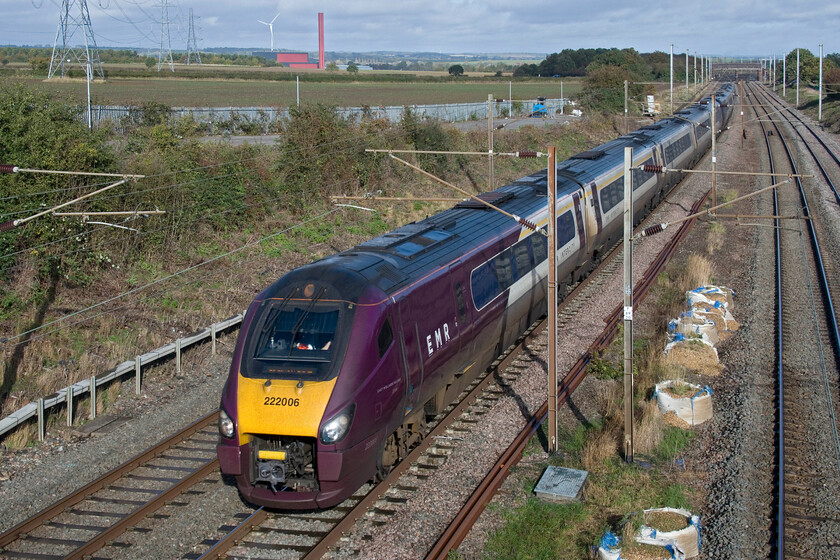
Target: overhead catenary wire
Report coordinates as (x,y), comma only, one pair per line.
(520,220)
(170,276)
(352,143)
(76,236)
(154,189)
(196,181)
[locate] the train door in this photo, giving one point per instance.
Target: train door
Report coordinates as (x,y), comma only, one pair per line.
(592,217)
(410,347)
(462,321)
(581,227)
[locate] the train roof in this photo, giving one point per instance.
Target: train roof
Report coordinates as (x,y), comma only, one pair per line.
(392,260)
(419,247)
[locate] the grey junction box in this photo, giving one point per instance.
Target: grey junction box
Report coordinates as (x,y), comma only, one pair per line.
(559,484)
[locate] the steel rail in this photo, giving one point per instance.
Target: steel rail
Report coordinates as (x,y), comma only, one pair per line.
(811,130)
(823,276)
(779,540)
(102,482)
(808,146)
(831,319)
(464,520)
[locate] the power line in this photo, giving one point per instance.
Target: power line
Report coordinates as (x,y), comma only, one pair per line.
(174,275)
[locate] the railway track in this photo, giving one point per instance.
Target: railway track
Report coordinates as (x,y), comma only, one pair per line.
(816,146)
(383,502)
(808,377)
(97,514)
(486,490)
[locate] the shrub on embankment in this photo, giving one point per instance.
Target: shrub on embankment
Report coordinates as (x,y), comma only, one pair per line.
(218,198)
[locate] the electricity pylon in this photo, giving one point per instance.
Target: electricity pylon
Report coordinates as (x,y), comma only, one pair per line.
(192,44)
(165,56)
(74,16)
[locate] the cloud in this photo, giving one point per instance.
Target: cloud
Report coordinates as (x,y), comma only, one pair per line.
(450,26)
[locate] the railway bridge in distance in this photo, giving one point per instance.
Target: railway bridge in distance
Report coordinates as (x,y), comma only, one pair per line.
(735,71)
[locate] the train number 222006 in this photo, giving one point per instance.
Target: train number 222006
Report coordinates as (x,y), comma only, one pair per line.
(281,401)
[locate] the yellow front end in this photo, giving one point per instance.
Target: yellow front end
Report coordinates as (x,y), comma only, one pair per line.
(281,407)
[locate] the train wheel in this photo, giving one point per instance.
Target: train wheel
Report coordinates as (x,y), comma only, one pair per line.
(388,457)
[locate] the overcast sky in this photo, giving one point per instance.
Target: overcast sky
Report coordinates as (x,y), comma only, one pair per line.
(716,27)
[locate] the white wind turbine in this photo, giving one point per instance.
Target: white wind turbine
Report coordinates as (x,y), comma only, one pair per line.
(270,28)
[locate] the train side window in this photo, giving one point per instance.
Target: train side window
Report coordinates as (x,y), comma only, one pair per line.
(504,270)
(522,258)
(485,284)
(640,177)
(612,194)
(539,243)
(565,229)
(385,338)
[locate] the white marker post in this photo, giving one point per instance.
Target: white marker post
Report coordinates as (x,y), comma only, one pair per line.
(672,78)
(819,117)
(552,300)
(628,305)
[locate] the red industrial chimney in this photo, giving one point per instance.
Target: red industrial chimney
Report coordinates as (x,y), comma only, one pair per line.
(321,64)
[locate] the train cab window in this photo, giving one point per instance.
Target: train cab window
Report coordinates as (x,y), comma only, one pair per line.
(297,333)
(302,341)
(385,338)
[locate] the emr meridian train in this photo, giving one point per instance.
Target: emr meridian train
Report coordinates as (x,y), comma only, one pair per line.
(339,363)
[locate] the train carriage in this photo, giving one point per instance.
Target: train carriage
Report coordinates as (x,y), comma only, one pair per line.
(340,362)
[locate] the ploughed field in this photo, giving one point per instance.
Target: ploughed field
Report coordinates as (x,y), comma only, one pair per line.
(213,92)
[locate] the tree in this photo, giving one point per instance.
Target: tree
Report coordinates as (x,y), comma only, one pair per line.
(352,68)
(525,70)
(628,59)
(456,70)
(809,66)
(603,89)
(332,67)
(831,80)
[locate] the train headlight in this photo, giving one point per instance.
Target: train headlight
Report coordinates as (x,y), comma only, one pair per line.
(226,426)
(337,427)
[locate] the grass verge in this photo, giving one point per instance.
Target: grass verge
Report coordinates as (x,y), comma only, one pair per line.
(534,529)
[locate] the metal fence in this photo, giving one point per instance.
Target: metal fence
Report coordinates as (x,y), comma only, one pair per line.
(264,119)
(68,395)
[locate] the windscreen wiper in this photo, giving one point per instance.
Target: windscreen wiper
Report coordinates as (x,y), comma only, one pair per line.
(303,316)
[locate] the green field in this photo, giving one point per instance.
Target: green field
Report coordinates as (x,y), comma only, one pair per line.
(177,92)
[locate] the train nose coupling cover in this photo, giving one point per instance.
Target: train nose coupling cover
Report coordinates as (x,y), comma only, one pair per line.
(272,472)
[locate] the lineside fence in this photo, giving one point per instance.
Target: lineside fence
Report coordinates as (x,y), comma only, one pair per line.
(263,120)
(68,395)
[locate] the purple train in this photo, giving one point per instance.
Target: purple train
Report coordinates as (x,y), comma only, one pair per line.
(339,363)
